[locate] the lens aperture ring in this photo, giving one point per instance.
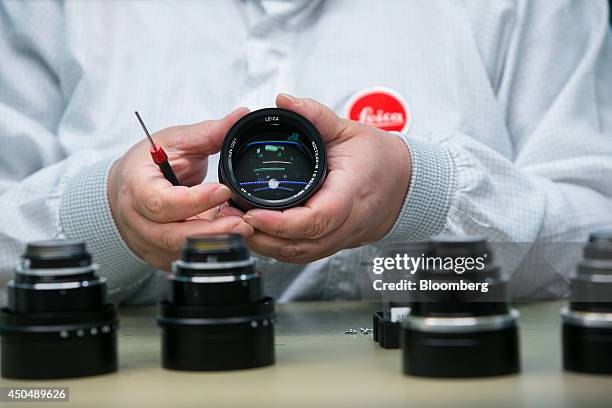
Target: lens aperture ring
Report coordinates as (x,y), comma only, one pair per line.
(63,330)
(24,270)
(587,319)
(254,320)
(56,285)
(180,264)
(214,278)
(461,324)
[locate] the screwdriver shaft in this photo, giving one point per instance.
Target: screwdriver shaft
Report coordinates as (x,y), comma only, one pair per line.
(159,156)
(145,130)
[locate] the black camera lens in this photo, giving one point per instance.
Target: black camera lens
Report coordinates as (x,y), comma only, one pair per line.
(453,331)
(272,158)
(216,317)
(57,323)
(587,320)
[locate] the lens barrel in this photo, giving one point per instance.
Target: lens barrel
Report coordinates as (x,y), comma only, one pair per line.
(456,333)
(57,323)
(272,158)
(587,320)
(216,317)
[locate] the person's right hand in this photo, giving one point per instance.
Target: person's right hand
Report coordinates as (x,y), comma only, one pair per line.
(154,217)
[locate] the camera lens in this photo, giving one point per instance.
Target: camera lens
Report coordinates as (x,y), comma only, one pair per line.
(216,317)
(460,332)
(57,323)
(587,321)
(272,158)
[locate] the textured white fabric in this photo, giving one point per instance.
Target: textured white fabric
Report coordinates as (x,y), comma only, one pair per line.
(511,103)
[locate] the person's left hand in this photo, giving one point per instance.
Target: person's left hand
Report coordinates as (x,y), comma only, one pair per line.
(369,175)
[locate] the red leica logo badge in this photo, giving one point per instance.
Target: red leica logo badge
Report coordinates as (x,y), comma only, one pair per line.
(379,107)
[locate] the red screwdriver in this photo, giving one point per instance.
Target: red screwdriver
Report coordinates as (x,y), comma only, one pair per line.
(159,156)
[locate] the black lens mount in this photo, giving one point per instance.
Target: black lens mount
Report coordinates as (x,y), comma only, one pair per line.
(453,334)
(587,320)
(57,323)
(216,317)
(272,158)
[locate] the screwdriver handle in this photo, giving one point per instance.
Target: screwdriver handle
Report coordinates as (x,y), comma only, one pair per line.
(161,159)
(168,173)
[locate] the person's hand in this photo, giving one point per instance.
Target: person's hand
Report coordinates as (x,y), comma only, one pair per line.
(154,217)
(369,175)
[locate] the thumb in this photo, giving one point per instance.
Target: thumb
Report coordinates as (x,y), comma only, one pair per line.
(325,120)
(205,137)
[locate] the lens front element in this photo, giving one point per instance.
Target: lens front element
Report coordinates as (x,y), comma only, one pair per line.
(272,158)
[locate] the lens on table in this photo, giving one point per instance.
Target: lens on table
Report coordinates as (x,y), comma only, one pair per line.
(461,333)
(587,320)
(57,323)
(216,316)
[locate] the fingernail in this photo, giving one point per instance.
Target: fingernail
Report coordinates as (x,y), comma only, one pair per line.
(290,98)
(244,229)
(250,218)
(221,194)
